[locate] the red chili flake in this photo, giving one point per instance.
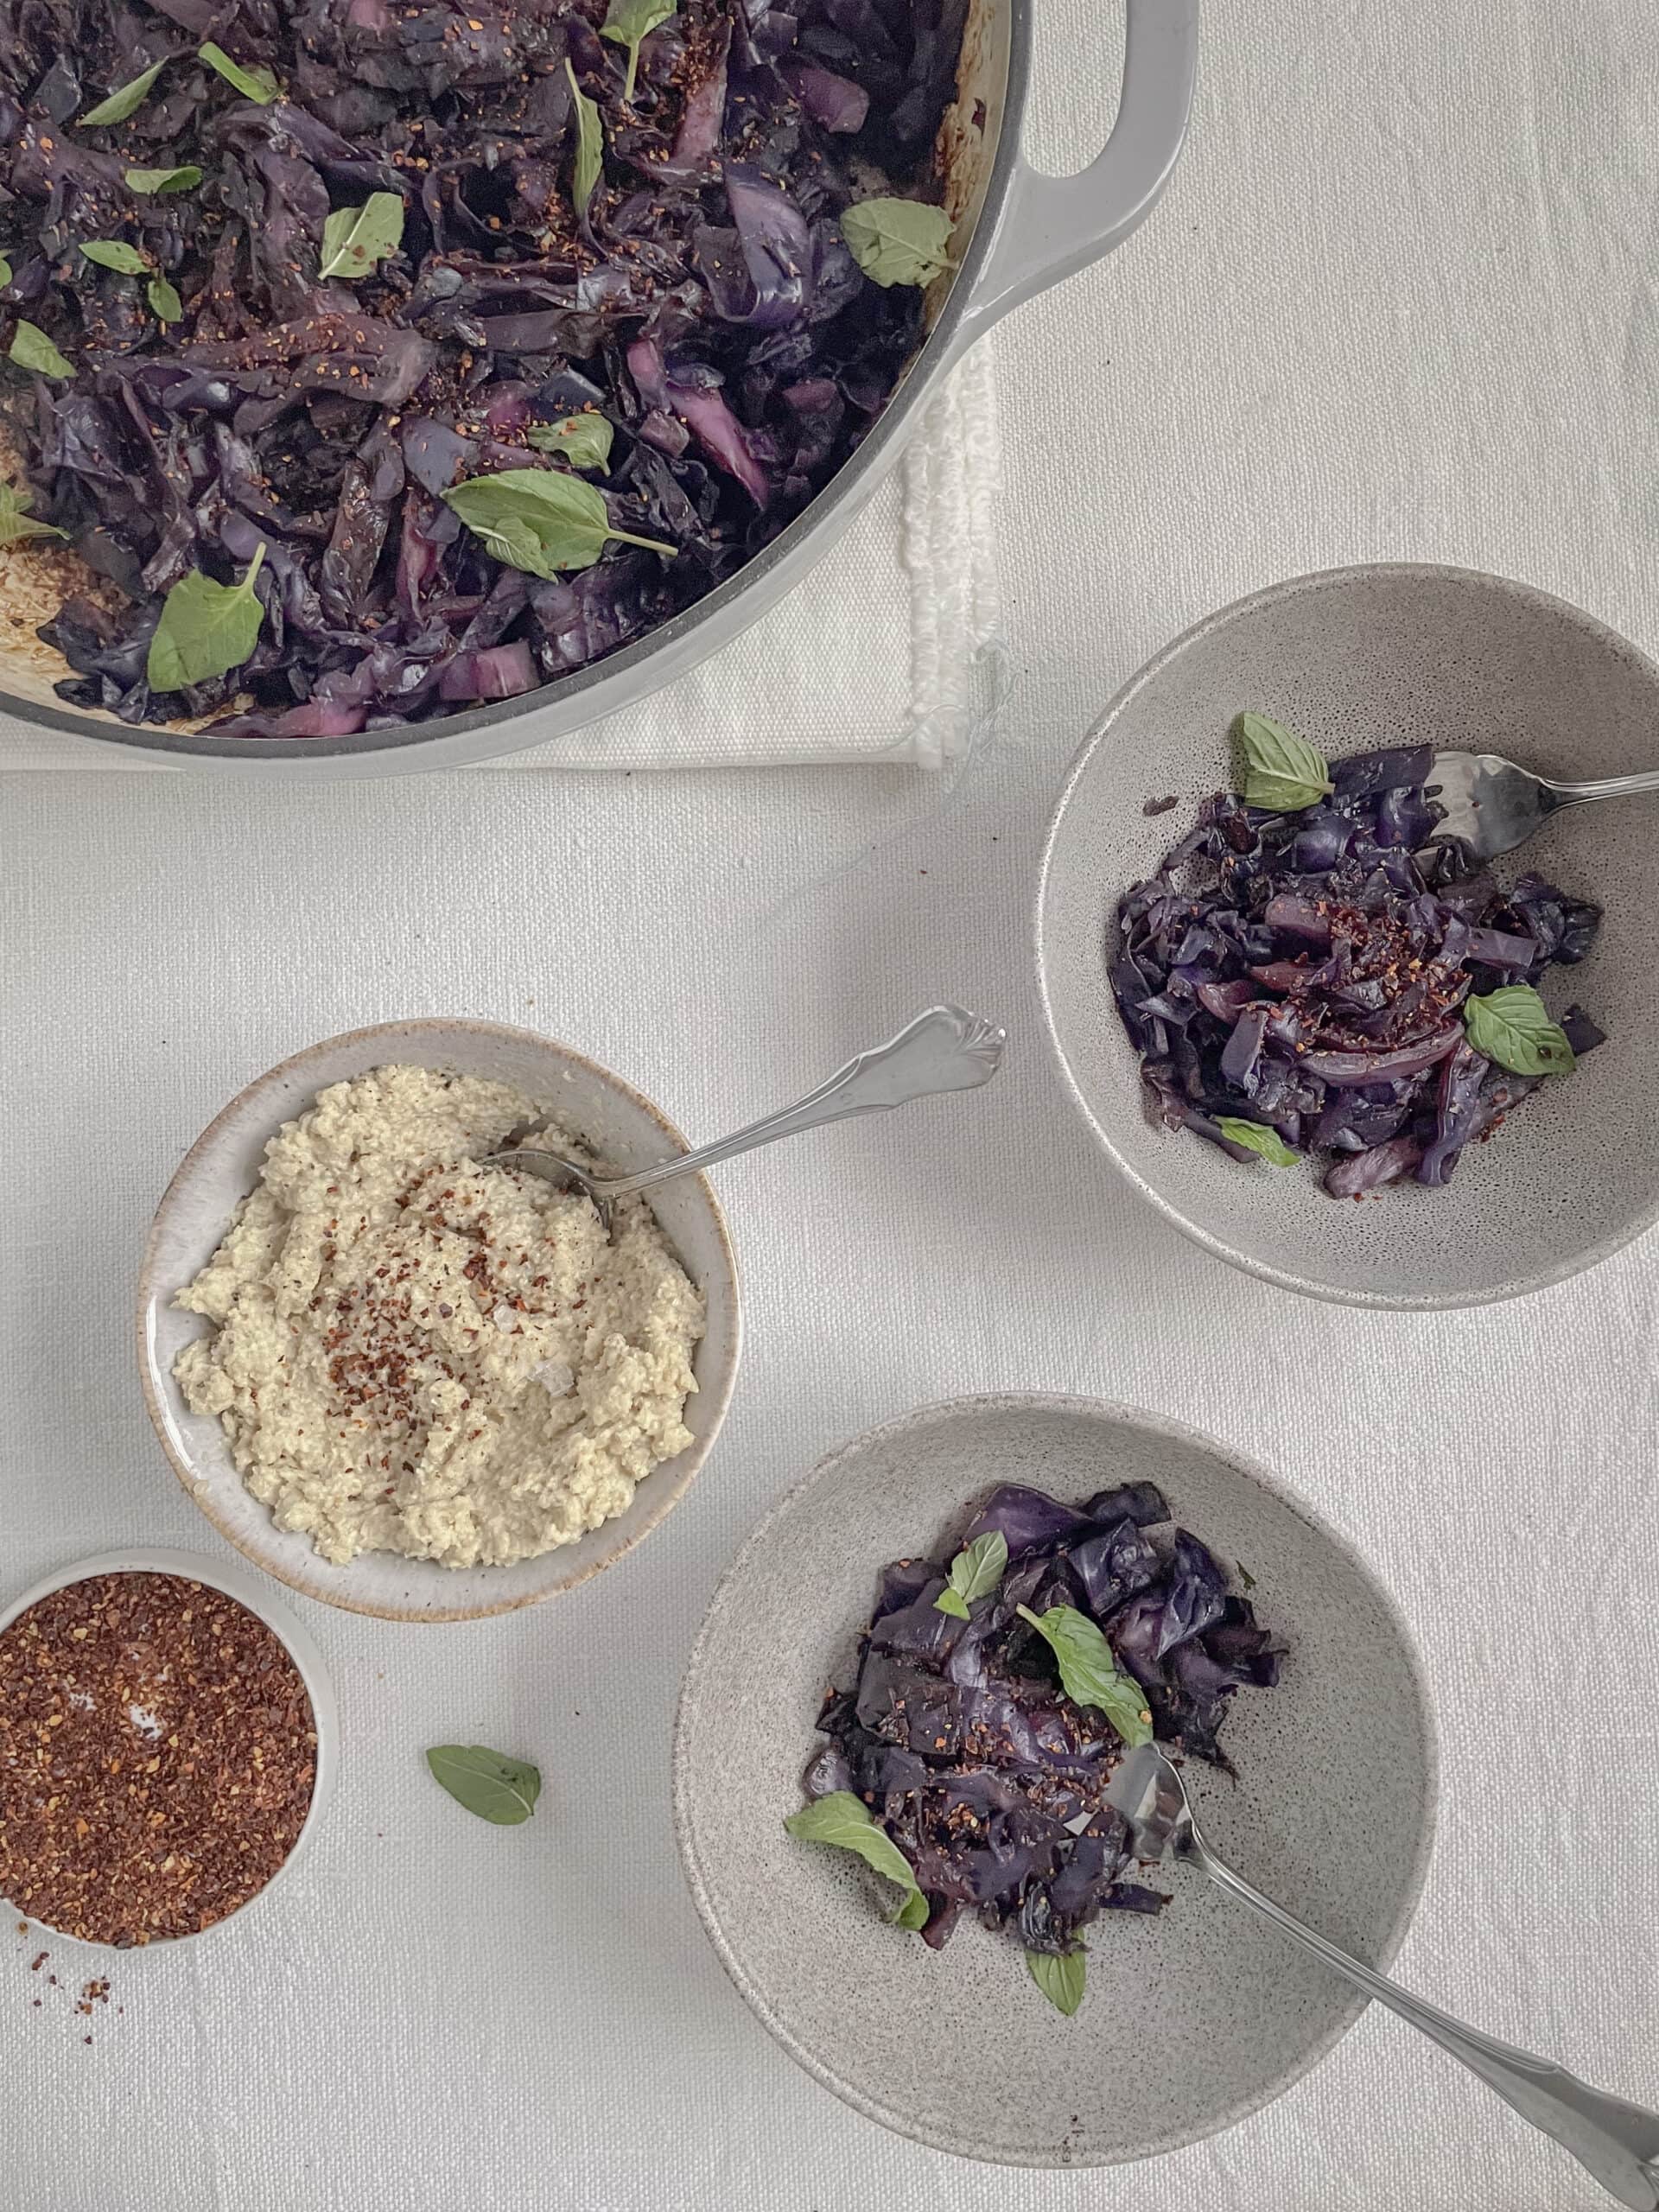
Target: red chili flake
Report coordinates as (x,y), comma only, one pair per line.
(160,1753)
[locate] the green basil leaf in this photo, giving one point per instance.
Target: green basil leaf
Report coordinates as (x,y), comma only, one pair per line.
(1061,1980)
(898,241)
(590,144)
(516,544)
(32,349)
(206,629)
(16,521)
(1244,1574)
(1089,1672)
(629,23)
(582,439)
(540,520)
(149,182)
(913,1914)
(1267,1143)
(5,270)
(164,301)
(844,1821)
(498,1789)
(975,1572)
(354,238)
(252,84)
(127,100)
(114,253)
(1274,769)
(1512,1027)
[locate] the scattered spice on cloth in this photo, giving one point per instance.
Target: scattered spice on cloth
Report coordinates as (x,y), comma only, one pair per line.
(157,1758)
(85,2001)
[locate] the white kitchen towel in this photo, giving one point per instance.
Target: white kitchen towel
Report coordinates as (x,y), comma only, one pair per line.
(888,650)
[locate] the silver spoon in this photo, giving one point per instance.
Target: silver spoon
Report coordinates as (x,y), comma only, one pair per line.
(1615,2141)
(944,1049)
(1496,806)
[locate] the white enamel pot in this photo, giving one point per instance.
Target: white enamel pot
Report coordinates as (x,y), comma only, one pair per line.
(1023,233)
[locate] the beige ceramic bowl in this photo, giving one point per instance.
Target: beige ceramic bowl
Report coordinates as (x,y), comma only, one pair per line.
(295,1641)
(624,1128)
(1355,658)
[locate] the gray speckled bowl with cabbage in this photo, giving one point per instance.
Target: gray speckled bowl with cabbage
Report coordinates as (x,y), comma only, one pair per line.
(1356,658)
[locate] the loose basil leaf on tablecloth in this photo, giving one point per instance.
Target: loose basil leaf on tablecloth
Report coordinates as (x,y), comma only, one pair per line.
(164,301)
(253,84)
(16,521)
(1268,1143)
(1512,1027)
(898,241)
(1274,769)
(32,349)
(498,1789)
(1089,1671)
(590,144)
(206,629)
(114,253)
(1244,1574)
(1061,1980)
(354,238)
(126,100)
(975,1572)
(582,439)
(630,22)
(540,520)
(844,1821)
(152,182)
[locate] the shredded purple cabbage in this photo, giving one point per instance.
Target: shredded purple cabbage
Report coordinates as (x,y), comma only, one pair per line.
(1306,972)
(705,301)
(958,1737)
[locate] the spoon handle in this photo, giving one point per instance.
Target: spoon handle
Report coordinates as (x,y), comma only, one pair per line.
(944,1049)
(1581,794)
(1615,2141)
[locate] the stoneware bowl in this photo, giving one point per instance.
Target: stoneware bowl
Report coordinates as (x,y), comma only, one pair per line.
(1355,658)
(301,1648)
(625,1129)
(1192,2019)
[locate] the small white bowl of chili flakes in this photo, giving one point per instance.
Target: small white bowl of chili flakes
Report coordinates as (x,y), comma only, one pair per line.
(168,1742)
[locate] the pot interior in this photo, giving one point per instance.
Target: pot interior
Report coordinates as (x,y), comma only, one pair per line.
(35,580)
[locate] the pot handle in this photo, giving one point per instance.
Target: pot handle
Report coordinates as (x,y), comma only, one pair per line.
(1053,226)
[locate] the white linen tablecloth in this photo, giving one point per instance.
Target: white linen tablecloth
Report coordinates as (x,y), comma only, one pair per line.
(1398,301)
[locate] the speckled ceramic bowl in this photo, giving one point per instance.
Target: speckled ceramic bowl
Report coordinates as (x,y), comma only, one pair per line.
(301,1648)
(1192,2019)
(624,1128)
(1356,658)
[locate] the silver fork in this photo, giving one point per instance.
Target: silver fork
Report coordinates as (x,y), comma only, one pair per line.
(1494,806)
(1615,2141)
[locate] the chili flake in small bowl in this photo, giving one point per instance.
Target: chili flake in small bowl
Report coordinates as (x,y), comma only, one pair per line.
(167,1741)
